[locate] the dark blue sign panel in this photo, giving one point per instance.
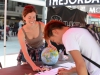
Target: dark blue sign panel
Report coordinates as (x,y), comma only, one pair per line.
(50,3)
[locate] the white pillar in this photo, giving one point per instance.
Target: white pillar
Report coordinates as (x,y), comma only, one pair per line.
(44,14)
(87,19)
(5,20)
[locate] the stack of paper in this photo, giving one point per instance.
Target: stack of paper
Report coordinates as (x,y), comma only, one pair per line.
(55,70)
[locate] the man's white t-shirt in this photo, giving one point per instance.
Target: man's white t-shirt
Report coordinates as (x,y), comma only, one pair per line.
(80,39)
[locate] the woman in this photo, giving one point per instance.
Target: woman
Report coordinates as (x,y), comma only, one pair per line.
(31,38)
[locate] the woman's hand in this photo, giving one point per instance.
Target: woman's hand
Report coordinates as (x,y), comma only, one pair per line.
(51,46)
(36,68)
(63,71)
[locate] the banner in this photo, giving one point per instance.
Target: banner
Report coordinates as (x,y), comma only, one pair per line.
(70,17)
(90,8)
(50,3)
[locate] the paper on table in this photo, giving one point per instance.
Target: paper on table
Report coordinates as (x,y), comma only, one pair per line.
(51,72)
(55,70)
(68,64)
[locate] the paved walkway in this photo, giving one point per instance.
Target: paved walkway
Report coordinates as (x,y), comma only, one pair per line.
(12,50)
(8,60)
(12,46)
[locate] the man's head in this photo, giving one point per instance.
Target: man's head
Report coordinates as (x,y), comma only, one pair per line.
(54,31)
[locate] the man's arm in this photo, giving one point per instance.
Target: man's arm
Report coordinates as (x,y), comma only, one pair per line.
(47,40)
(79,61)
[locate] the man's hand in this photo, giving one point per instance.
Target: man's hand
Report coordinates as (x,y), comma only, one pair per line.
(51,46)
(63,71)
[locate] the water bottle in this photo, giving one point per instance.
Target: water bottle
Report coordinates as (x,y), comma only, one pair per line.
(60,55)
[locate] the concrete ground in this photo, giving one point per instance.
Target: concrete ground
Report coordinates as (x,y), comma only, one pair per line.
(8,56)
(12,46)
(8,60)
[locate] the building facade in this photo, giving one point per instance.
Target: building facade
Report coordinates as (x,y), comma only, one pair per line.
(14,11)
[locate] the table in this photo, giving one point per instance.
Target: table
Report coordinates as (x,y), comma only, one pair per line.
(20,70)
(16,70)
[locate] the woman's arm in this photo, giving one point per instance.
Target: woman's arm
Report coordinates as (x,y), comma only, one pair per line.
(21,39)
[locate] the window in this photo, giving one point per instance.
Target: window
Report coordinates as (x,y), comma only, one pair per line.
(1,4)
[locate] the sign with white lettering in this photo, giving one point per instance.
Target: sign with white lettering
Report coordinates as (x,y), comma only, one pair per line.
(94,9)
(68,16)
(50,3)
(90,8)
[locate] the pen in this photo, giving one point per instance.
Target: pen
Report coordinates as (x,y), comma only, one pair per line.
(57,74)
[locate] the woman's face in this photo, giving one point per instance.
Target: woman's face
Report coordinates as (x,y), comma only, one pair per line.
(30,18)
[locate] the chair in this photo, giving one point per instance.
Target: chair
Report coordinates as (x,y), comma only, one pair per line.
(0,65)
